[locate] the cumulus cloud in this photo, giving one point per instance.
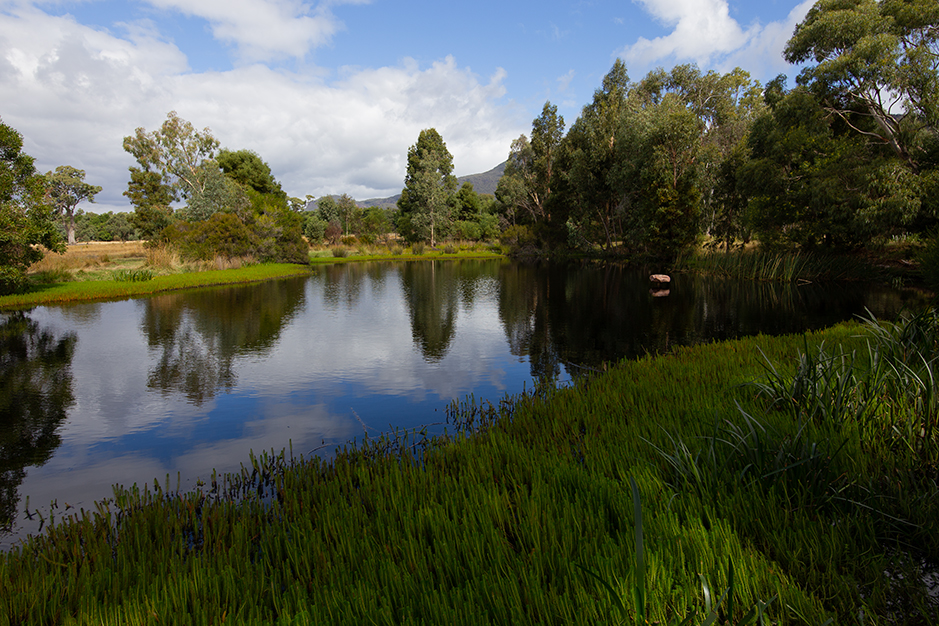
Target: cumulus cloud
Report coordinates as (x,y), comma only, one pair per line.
(704,32)
(263,29)
(74,92)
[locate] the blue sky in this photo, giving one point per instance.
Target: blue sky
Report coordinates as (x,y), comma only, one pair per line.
(332,93)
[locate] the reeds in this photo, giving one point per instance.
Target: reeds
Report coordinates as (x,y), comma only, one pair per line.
(776,266)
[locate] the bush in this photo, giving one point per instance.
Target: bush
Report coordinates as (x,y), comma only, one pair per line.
(340,252)
(333,232)
(418,248)
(314,228)
(468,230)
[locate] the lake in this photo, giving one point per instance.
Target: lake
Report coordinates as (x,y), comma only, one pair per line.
(183,383)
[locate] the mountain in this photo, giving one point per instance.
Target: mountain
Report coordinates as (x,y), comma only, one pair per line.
(484,183)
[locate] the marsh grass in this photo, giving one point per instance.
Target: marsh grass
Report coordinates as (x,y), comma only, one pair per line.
(777,266)
(497,520)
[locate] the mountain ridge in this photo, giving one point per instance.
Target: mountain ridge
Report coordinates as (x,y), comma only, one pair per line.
(483,183)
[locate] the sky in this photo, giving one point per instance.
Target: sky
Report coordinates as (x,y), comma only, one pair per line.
(332,93)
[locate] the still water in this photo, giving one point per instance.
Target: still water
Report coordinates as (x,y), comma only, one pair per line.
(124,392)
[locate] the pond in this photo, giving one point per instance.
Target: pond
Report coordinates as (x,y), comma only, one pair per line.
(183,383)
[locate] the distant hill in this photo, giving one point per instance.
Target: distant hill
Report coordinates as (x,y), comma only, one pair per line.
(484,183)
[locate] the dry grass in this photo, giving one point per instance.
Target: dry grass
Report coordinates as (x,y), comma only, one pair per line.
(90,257)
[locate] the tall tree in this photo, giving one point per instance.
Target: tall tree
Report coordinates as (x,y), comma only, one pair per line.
(590,155)
(532,163)
(177,151)
(428,185)
(26,220)
(66,188)
(151,200)
(876,67)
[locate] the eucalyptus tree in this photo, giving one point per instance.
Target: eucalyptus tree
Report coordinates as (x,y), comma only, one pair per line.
(177,152)
(591,196)
(876,66)
(531,166)
(425,207)
(66,189)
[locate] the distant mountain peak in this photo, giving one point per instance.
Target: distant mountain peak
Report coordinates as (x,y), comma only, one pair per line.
(484,183)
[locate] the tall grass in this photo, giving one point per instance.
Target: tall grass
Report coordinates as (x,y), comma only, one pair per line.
(776,266)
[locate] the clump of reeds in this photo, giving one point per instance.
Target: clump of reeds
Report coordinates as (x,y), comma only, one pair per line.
(132,275)
(762,265)
(340,252)
(163,257)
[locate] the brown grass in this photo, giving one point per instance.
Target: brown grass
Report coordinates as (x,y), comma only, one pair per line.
(89,256)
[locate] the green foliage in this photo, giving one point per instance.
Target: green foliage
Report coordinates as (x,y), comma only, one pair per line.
(213,193)
(314,228)
(151,199)
(26,220)
(269,232)
(247,169)
(425,204)
(864,49)
(133,276)
(108,226)
(176,152)
(66,188)
(811,181)
(525,188)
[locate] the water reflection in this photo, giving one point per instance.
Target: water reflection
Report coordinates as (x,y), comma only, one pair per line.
(191,381)
(198,335)
(35,395)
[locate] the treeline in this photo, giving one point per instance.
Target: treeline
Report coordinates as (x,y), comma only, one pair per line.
(848,157)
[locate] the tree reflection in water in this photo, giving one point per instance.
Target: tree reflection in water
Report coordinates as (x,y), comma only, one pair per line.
(201,334)
(35,396)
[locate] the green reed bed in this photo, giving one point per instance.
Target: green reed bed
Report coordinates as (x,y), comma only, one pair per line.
(528,513)
(130,283)
(777,266)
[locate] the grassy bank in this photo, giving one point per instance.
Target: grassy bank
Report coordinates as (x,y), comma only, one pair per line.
(817,486)
(126,286)
(101,271)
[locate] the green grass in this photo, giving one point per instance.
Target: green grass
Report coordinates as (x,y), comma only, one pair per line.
(528,512)
(120,286)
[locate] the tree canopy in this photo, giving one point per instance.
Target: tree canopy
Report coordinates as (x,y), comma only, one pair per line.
(66,188)
(26,220)
(429,184)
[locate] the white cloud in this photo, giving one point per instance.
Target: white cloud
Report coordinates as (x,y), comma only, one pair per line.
(74,92)
(704,32)
(263,29)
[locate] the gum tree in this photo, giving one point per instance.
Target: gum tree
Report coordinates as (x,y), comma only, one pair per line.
(66,188)
(428,186)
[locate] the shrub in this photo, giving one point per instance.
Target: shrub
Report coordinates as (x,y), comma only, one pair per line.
(340,252)
(333,232)
(314,228)
(450,249)
(468,230)
(418,248)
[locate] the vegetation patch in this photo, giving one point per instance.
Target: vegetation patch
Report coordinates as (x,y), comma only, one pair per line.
(111,289)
